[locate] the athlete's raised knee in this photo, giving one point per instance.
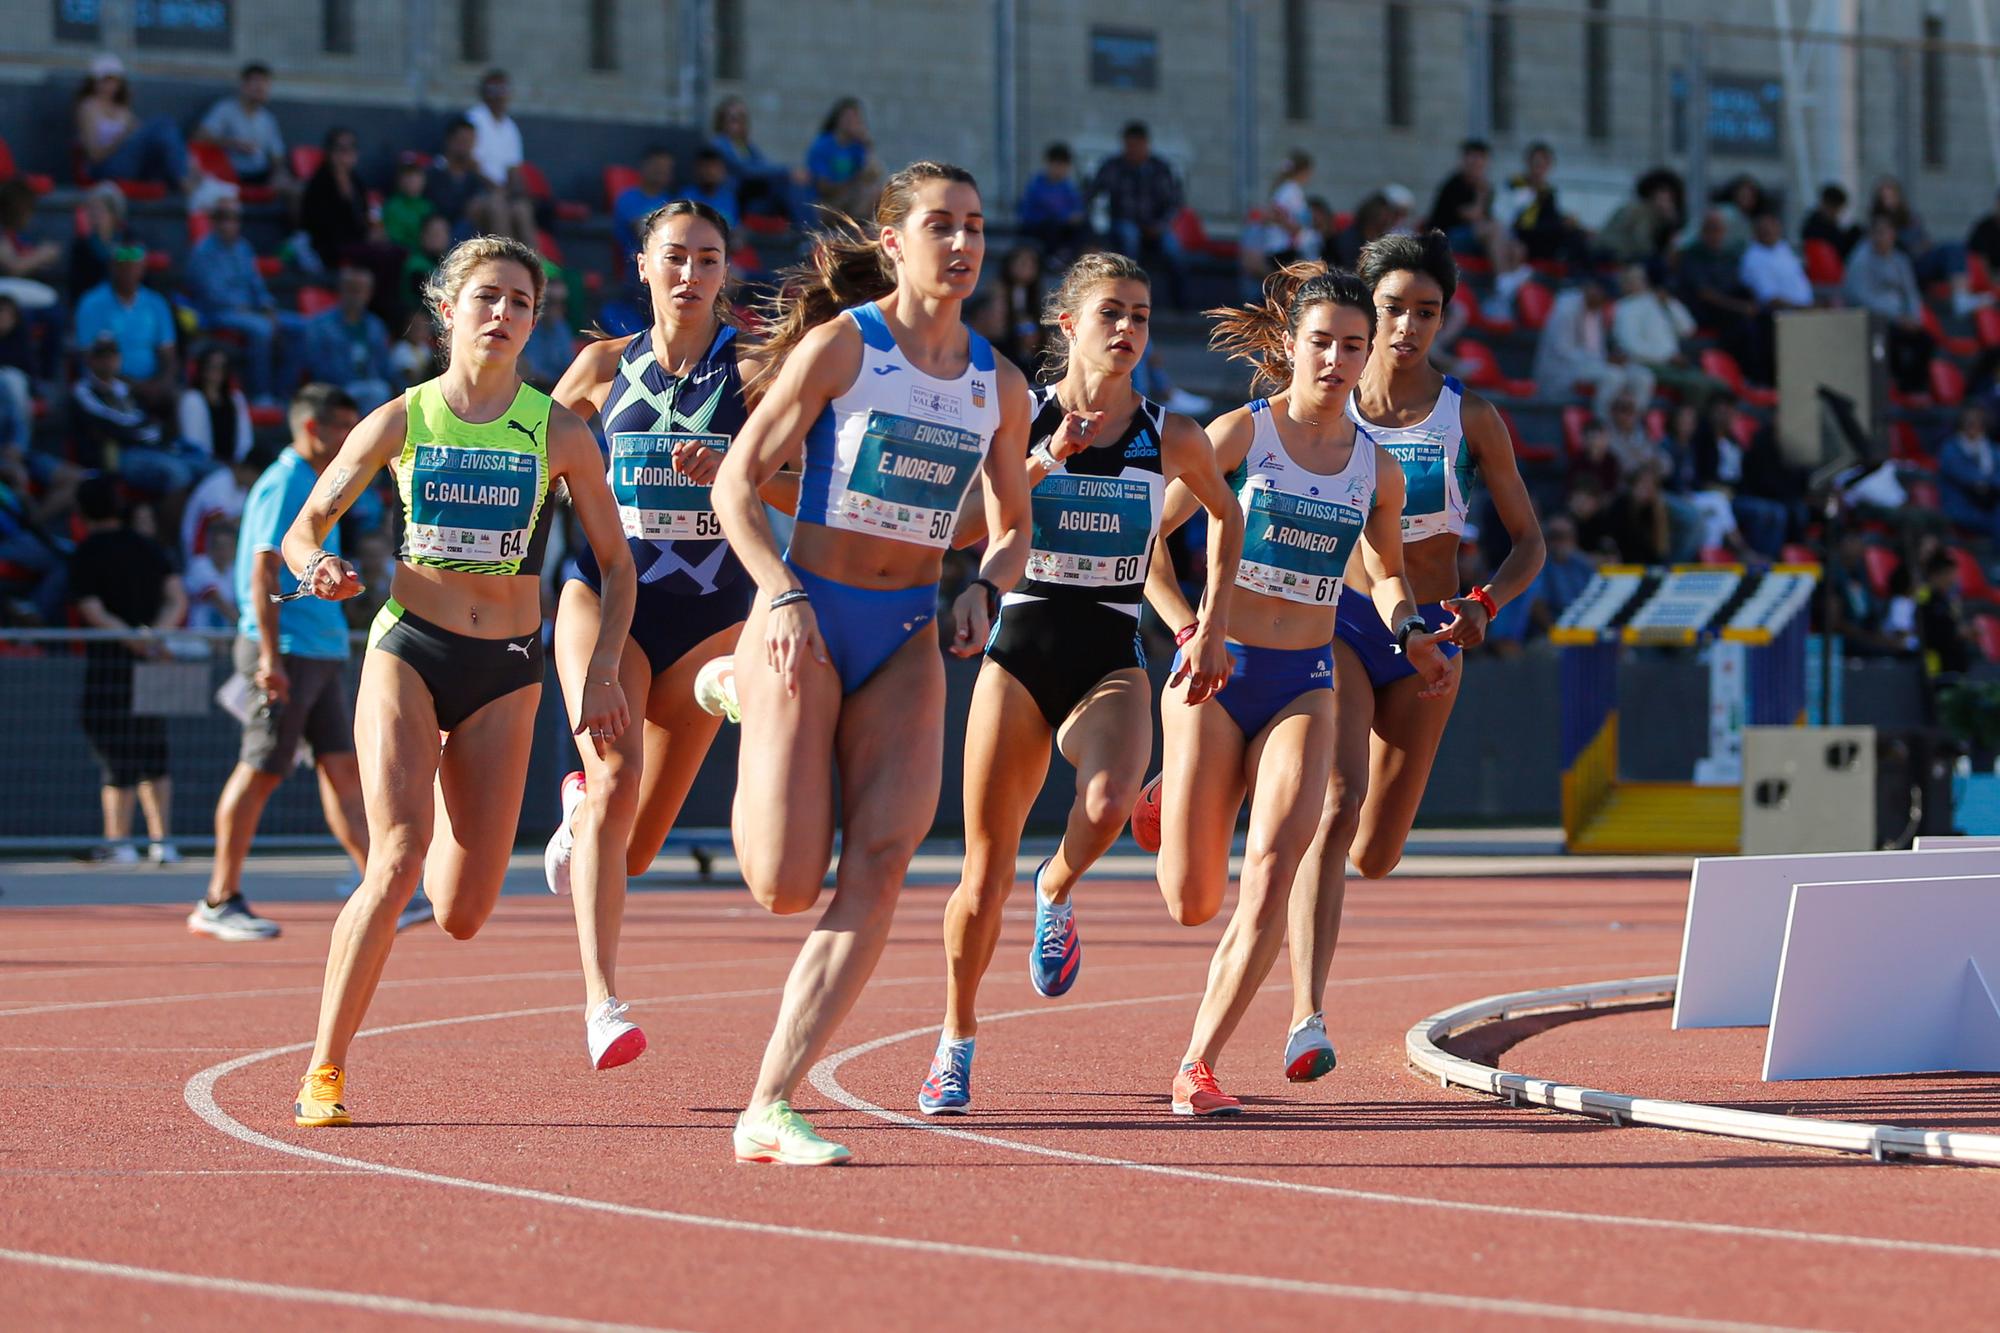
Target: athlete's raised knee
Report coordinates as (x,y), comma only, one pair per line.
(1376,859)
(784,892)
(1106,802)
(1192,901)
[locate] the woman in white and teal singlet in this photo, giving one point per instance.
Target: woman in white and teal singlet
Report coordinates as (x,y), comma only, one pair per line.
(1441,435)
(453,673)
(1312,484)
(1064,669)
(895,406)
(669,398)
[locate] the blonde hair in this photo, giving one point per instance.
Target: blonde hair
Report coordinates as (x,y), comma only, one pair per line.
(1089,272)
(846,267)
(448,279)
(1256,333)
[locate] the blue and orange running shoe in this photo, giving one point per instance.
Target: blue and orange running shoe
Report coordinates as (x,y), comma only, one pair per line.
(948,1089)
(1057,953)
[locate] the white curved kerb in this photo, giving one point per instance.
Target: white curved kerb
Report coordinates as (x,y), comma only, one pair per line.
(1879,1141)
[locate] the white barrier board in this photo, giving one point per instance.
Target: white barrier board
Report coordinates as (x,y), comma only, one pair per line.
(1944,842)
(1888,977)
(1735,927)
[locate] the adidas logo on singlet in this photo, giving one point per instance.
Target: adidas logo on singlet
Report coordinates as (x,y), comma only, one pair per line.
(1143,447)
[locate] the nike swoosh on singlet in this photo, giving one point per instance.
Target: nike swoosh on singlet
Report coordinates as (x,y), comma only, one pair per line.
(703,377)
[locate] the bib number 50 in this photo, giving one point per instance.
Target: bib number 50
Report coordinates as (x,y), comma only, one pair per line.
(941,523)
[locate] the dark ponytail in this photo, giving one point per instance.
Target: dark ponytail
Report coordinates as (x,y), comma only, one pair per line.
(1256,333)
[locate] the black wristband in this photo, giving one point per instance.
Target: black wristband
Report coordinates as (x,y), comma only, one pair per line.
(789,597)
(1414,625)
(992,595)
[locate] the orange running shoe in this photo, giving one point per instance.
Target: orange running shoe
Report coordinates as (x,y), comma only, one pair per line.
(1196,1093)
(1146,818)
(319,1102)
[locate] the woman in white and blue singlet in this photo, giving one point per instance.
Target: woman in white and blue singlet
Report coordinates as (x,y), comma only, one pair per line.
(1440,434)
(896,407)
(1312,484)
(1064,668)
(670,398)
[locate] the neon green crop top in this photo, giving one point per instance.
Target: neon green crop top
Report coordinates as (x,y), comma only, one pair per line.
(475,495)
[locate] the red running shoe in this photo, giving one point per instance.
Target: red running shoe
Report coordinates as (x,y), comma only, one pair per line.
(1146,818)
(1196,1093)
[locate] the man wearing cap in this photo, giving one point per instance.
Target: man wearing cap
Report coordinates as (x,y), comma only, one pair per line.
(222,279)
(112,432)
(141,322)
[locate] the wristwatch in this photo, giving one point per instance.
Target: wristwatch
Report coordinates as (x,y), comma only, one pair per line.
(1414,625)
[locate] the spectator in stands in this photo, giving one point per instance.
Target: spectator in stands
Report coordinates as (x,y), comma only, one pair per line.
(116,144)
(1942,629)
(1984,239)
(496,145)
(141,322)
(1858,615)
(1565,574)
(214,417)
(211,603)
(406,210)
(454,184)
(433,240)
(1625,436)
(26,265)
(1595,459)
(124,582)
(1020,292)
(1722,467)
(1740,201)
(1051,211)
(1969,474)
(17,406)
(1889,200)
(348,346)
(334,209)
(1882,279)
(763,187)
(245,129)
(1652,328)
(712,185)
(1771,269)
(1573,352)
(1641,230)
(1463,207)
(228,292)
(415,354)
(1828,221)
(1537,215)
(634,202)
(1639,521)
(552,345)
(104,230)
(842,162)
(1287,235)
(1142,198)
(218,499)
(32,556)
(1710,282)
(1374,216)
(112,433)
(294,657)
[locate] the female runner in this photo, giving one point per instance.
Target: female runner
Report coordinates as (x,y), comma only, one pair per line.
(897,405)
(671,398)
(458,647)
(1312,483)
(1389,721)
(1064,662)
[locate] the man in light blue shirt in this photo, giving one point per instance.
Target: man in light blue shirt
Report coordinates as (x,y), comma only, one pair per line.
(349,345)
(229,293)
(143,324)
(294,657)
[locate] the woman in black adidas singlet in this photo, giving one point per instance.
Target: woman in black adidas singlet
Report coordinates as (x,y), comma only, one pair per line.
(1064,663)
(453,674)
(670,398)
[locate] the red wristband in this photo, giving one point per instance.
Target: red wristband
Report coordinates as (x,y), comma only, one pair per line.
(1485,599)
(1181,638)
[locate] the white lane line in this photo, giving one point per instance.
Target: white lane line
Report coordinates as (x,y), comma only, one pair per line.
(825,1078)
(353,1300)
(81,1172)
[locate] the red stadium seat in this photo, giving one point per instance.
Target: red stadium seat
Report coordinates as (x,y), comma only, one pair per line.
(1721,365)
(1972,580)
(1532,303)
(1717,555)
(1880,562)
(1947,382)
(211,158)
(39,184)
(198,228)
(1743,429)
(1987,630)
(1986,321)
(1194,237)
(1656,423)
(1482,370)
(618,178)
(1824,267)
(316,300)
(1923,493)
(550,248)
(1526,452)
(538,187)
(1575,417)
(1904,444)
(1978,275)
(1475,314)
(1795,554)
(306,158)
(1953,346)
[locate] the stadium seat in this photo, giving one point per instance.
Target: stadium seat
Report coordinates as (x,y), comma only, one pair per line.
(1743,429)
(1717,555)
(1905,446)
(1923,493)
(1947,382)
(1482,370)
(1532,303)
(1194,237)
(1475,314)
(1972,580)
(1986,629)
(39,184)
(618,178)
(1795,554)
(1824,266)
(566,210)
(1952,345)
(306,158)
(1721,365)
(1880,562)
(198,228)
(1526,452)
(211,158)
(1656,423)
(1978,276)
(1575,417)
(1986,322)
(316,300)
(551,248)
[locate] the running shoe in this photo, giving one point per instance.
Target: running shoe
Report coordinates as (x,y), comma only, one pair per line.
(164,854)
(715,688)
(417,912)
(1308,1050)
(1196,1093)
(1057,952)
(948,1089)
(1146,817)
(113,853)
(612,1040)
(777,1133)
(555,858)
(230,920)
(319,1103)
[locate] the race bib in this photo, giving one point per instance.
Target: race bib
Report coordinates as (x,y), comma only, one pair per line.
(656,501)
(1423,479)
(1090,532)
(1295,547)
(472,504)
(908,479)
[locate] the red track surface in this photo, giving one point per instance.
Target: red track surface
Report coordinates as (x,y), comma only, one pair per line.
(144,1122)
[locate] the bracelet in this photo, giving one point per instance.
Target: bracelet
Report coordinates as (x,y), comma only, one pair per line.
(1044,455)
(1193,627)
(313,562)
(1414,625)
(1485,599)
(790,597)
(992,594)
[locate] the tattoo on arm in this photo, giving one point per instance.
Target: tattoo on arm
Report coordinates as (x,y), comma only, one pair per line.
(336,494)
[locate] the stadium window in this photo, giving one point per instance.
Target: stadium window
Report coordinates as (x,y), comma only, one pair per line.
(1597,72)
(336,27)
(1933,92)
(728,39)
(1396,62)
(1500,68)
(472,43)
(1298,62)
(604,34)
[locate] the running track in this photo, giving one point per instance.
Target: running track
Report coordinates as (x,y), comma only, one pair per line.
(149,1169)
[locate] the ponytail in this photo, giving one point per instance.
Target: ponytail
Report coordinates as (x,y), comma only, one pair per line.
(1256,333)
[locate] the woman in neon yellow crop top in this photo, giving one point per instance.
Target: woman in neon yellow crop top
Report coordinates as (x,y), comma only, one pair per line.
(458,648)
